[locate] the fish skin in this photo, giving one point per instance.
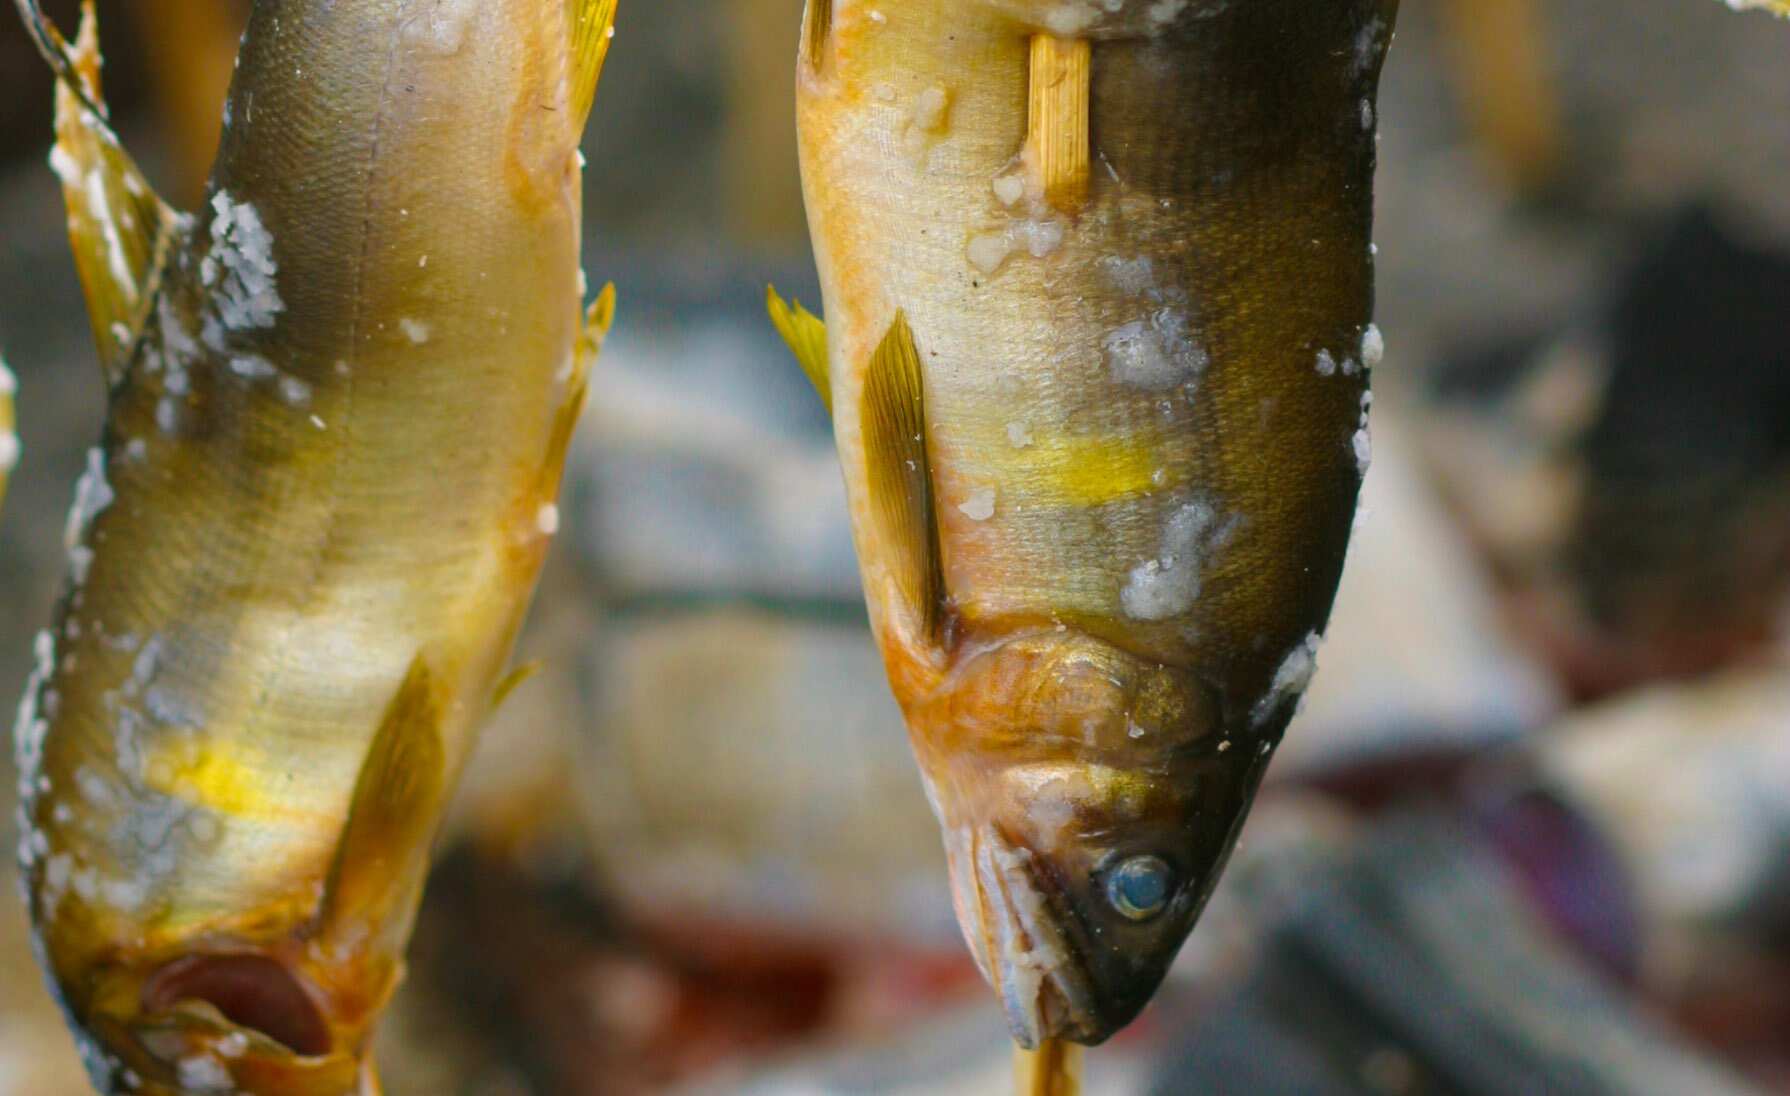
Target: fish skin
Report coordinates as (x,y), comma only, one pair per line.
(1113,660)
(309,536)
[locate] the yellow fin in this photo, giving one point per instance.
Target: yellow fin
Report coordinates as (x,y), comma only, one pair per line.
(593,27)
(9,439)
(120,230)
(593,330)
(598,318)
(384,851)
(817,28)
(514,680)
(806,335)
(899,475)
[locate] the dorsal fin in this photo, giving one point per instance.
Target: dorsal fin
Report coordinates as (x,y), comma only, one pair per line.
(383,855)
(899,476)
(806,335)
(593,27)
(119,228)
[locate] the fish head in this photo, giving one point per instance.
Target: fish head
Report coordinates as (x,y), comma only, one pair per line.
(1089,799)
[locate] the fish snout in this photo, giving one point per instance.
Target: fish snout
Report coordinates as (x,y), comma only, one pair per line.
(1032,945)
(224,1023)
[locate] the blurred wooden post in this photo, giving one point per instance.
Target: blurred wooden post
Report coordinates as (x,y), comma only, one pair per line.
(1501,63)
(760,177)
(191,49)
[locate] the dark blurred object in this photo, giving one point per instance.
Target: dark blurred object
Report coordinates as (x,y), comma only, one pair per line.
(1416,967)
(1627,472)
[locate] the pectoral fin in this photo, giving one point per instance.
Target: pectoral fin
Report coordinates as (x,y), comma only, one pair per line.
(398,799)
(899,477)
(120,230)
(806,335)
(593,27)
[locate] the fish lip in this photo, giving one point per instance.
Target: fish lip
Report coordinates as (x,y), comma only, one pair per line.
(252,991)
(1027,944)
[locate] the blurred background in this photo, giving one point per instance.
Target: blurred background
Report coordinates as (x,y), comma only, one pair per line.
(1530,833)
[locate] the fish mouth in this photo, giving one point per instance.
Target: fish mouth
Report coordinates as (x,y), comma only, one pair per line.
(230,1021)
(1019,929)
(252,991)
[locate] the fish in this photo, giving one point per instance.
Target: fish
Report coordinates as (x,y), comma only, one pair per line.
(1096,334)
(340,401)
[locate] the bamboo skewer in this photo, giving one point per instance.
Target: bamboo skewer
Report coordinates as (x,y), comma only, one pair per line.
(192,50)
(1054,1069)
(1057,139)
(1058,146)
(761,127)
(1502,64)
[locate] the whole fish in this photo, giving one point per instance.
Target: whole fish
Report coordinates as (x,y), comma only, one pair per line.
(341,399)
(1098,289)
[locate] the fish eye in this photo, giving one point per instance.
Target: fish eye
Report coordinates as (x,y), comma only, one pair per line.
(1139,888)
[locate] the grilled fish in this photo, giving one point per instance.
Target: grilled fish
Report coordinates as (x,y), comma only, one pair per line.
(1098,287)
(340,403)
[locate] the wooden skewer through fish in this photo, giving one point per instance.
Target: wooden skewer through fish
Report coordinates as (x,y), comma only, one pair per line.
(1054,1069)
(1057,141)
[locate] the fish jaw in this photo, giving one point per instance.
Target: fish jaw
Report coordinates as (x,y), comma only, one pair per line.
(1015,928)
(233,1019)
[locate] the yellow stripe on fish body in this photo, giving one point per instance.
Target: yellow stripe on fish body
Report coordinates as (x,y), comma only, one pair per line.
(1050,470)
